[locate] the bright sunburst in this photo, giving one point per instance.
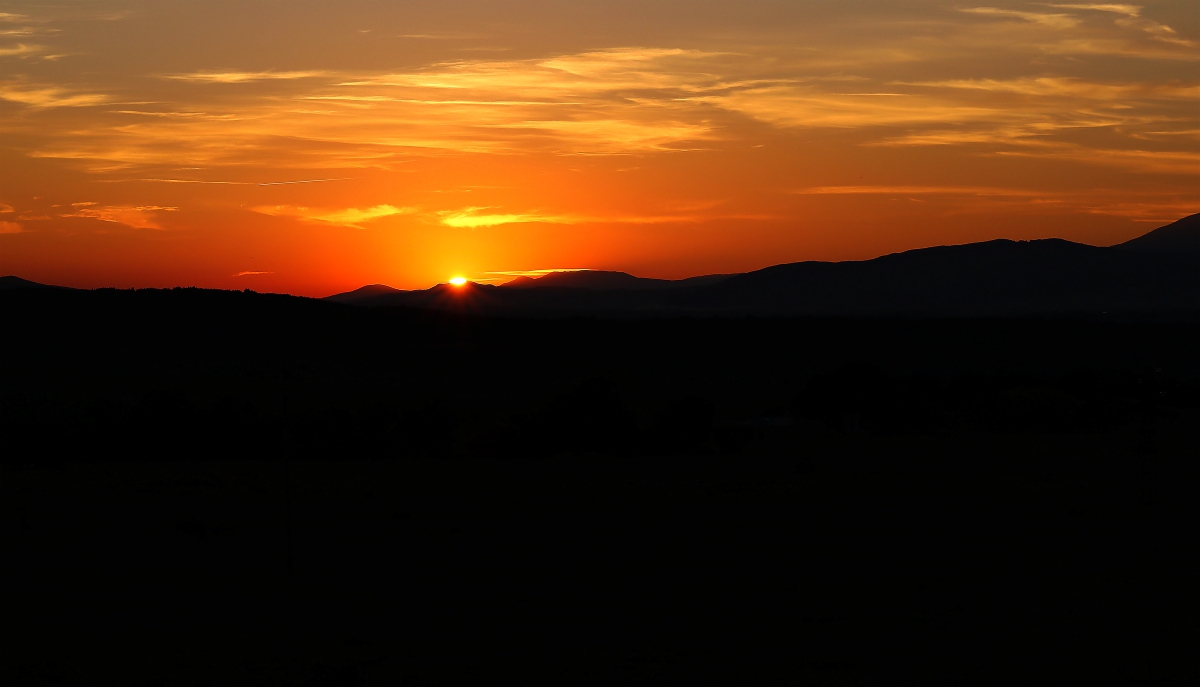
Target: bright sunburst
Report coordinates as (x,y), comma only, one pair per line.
(458,281)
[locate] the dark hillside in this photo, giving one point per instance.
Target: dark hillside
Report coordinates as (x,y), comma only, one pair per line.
(18,284)
(1180,237)
(599,280)
(208,487)
(998,277)
(1156,276)
(360,293)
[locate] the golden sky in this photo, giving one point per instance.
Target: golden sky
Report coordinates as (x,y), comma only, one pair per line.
(313,147)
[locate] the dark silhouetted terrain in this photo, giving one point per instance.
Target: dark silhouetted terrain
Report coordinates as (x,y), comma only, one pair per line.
(1182,236)
(600,280)
(369,291)
(1154,276)
(19,284)
(211,487)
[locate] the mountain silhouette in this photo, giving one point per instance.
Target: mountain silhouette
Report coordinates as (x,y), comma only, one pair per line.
(1182,236)
(1000,277)
(11,283)
(364,292)
(1155,273)
(601,280)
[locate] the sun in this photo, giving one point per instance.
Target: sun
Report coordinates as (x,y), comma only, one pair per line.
(458,281)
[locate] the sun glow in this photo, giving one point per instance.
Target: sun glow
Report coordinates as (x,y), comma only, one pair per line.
(458,281)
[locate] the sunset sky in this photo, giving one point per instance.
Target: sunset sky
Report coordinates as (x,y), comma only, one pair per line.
(314,147)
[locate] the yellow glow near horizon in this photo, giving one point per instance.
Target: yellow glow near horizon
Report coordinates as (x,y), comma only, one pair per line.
(458,281)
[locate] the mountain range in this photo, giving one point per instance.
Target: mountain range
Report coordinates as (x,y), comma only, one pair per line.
(1156,274)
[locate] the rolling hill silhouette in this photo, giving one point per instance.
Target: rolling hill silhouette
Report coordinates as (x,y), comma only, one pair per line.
(365,292)
(1182,236)
(601,280)
(1154,273)
(18,284)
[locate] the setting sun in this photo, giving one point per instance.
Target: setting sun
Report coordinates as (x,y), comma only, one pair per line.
(458,281)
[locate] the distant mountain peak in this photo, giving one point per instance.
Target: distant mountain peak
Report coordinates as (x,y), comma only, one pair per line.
(520,283)
(1181,236)
(596,280)
(605,280)
(11,283)
(362,292)
(1154,273)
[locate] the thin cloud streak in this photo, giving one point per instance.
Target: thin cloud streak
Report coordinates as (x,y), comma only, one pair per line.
(1056,21)
(138,217)
(49,96)
(245,77)
(347,217)
(1132,19)
(472,218)
(303,181)
(178,181)
(20,49)
(538,273)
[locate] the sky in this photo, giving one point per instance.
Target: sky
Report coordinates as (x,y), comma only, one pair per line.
(313,147)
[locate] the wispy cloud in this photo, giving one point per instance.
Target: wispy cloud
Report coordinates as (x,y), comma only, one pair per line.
(538,273)
(138,217)
(806,106)
(1165,204)
(1057,21)
(1131,17)
(245,77)
(48,96)
(1181,162)
(1072,88)
(302,181)
(7,227)
(178,181)
(348,217)
(1128,10)
(176,115)
(250,273)
(475,217)
(20,49)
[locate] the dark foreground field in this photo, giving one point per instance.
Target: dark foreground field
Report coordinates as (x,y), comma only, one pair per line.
(224,488)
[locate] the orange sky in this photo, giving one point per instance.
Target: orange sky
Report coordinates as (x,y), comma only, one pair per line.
(313,147)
